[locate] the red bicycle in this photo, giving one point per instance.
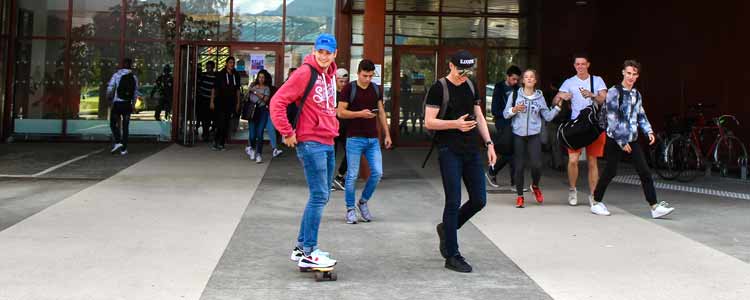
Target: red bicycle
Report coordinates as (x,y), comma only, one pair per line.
(683,153)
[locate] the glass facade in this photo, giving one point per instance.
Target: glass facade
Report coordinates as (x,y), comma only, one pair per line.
(67,50)
(422,34)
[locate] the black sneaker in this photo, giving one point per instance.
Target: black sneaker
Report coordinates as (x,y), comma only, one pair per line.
(338,183)
(492,180)
(458,263)
(441,236)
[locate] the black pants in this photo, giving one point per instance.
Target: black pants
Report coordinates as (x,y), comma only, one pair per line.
(455,167)
(613,153)
(503,158)
(204,116)
(533,146)
(120,113)
(341,143)
(165,104)
(221,122)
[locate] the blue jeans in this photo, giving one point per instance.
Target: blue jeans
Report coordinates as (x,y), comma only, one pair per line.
(318,161)
(255,136)
(454,167)
(355,148)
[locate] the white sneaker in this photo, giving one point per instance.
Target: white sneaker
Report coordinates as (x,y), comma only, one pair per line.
(250,152)
(115,148)
(297,254)
(600,209)
(661,210)
(124,152)
(573,197)
(258,159)
(277,152)
(316,260)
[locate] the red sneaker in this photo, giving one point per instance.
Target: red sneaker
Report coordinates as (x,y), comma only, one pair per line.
(537,194)
(519,202)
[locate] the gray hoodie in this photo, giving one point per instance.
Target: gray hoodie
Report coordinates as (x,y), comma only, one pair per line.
(529,122)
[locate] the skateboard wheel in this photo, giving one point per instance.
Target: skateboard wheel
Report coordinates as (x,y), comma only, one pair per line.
(318,276)
(333,276)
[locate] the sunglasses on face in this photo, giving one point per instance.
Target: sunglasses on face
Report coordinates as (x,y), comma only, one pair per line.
(465,72)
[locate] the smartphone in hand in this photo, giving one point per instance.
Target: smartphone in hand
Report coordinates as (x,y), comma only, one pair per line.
(375,110)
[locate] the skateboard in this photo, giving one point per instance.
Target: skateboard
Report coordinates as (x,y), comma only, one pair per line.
(321,274)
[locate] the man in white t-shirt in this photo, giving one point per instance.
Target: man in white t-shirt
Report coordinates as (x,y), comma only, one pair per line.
(580,91)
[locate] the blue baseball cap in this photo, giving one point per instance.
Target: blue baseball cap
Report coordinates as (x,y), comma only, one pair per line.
(326,42)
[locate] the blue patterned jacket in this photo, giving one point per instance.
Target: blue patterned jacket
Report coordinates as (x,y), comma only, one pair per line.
(623,120)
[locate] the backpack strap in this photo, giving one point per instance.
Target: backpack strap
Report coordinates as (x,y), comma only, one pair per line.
(310,85)
(471,87)
(446,98)
(352,92)
(377,90)
(514,97)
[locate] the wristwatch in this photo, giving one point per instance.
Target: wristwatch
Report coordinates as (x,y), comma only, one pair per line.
(488,143)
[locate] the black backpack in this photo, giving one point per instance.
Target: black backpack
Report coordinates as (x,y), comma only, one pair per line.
(443,110)
(310,85)
(126,87)
(590,123)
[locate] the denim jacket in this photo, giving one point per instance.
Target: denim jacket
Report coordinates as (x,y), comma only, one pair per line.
(623,120)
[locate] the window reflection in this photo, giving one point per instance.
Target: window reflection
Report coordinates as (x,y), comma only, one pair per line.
(257,21)
(416,30)
(96,18)
(42,18)
(39,79)
(205,19)
(151,19)
(91,67)
(306,19)
(149,62)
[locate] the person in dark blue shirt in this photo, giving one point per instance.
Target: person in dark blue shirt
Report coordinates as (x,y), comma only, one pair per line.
(503,135)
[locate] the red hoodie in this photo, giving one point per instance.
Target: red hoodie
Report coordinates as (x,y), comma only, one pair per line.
(318,122)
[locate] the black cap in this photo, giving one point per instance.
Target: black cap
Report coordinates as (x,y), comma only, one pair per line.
(463,60)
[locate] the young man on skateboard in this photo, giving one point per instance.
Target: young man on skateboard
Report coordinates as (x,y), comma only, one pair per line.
(313,88)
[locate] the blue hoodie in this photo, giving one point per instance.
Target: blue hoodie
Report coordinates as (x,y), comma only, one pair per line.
(529,122)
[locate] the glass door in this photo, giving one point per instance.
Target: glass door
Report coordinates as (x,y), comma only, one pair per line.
(249,61)
(415,70)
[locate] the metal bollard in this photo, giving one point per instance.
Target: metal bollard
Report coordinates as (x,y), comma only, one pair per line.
(743,168)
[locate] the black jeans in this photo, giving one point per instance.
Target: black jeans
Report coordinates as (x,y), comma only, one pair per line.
(341,143)
(120,113)
(613,153)
(454,167)
(503,158)
(533,146)
(204,116)
(221,122)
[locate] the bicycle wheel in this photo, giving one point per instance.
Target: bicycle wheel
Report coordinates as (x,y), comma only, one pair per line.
(728,153)
(692,164)
(665,161)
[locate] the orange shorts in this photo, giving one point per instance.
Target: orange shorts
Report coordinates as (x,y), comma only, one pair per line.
(596,148)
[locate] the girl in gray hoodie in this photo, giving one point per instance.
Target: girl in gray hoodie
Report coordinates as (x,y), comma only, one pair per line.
(526,112)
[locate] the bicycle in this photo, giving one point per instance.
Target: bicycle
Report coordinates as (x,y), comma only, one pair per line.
(684,155)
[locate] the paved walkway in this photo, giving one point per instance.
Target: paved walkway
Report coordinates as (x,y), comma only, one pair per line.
(187,223)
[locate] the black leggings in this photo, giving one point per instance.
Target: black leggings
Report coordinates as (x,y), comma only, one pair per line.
(533,146)
(613,154)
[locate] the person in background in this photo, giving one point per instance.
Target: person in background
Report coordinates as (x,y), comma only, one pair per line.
(225,101)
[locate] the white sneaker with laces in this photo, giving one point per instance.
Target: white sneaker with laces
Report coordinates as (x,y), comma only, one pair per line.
(297,254)
(600,209)
(116,148)
(573,197)
(250,152)
(277,152)
(316,260)
(661,210)
(258,159)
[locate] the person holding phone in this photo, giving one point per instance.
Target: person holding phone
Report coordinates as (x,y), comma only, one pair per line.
(526,117)
(363,113)
(456,132)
